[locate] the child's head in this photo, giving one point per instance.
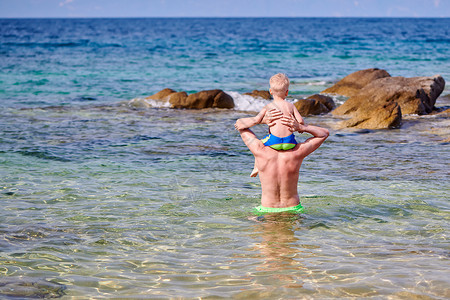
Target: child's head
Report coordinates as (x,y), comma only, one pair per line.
(279,85)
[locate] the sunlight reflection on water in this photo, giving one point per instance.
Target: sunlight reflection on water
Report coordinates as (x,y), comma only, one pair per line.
(131,207)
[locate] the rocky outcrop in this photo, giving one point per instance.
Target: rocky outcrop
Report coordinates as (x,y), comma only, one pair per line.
(176,98)
(260,94)
(203,99)
(206,99)
(353,83)
(161,95)
(325,100)
(416,95)
(384,116)
(308,107)
(315,105)
(377,100)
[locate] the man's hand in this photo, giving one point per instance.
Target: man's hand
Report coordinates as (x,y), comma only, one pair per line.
(273,115)
(292,123)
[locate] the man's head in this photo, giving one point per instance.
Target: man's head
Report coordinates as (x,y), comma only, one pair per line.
(279,85)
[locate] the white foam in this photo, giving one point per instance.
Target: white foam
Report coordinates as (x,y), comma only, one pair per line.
(246,102)
(338,99)
(317,83)
(145,103)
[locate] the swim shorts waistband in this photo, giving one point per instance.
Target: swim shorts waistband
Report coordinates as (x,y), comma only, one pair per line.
(294,209)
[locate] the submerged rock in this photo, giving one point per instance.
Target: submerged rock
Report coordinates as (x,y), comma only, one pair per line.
(139,103)
(27,287)
(353,83)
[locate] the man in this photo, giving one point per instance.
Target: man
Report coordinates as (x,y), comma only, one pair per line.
(279,170)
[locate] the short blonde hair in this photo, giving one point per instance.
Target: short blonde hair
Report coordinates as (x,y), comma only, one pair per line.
(279,84)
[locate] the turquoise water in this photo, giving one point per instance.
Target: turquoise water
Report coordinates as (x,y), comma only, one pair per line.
(100,199)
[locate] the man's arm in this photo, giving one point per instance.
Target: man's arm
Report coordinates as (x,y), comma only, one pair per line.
(250,139)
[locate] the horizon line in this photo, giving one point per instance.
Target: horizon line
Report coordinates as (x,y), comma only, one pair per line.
(232,17)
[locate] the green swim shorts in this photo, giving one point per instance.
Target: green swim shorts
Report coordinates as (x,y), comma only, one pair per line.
(293,209)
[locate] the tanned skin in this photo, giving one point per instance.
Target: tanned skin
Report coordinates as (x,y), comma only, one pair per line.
(279,170)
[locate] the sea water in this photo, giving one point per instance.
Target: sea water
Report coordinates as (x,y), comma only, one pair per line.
(101,199)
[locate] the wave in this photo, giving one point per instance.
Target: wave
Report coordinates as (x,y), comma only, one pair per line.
(241,102)
(146,103)
(246,102)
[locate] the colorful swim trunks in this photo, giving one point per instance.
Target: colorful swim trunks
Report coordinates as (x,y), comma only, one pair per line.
(277,143)
(292,209)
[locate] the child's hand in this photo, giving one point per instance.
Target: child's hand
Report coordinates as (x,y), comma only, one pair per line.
(273,115)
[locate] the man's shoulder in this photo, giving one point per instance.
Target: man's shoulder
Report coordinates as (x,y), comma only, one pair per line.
(299,150)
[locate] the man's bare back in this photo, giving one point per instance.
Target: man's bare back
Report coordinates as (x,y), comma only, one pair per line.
(278,173)
(279,170)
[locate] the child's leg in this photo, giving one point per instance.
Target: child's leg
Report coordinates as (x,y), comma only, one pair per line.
(255,171)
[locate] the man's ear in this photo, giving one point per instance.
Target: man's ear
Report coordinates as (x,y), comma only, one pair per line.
(287,93)
(270,91)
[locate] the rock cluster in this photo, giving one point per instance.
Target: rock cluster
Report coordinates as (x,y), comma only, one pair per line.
(353,83)
(203,99)
(378,100)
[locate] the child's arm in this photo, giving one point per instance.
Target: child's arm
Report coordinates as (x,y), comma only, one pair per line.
(245,123)
(297,115)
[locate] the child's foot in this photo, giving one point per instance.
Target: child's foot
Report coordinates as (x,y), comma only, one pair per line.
(254,172)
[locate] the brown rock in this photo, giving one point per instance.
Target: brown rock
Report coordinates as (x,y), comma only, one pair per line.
(206,99)
(325,100)
(388,115)
(260,94)
(223,100)
(426,89)
(161,95)
(416,95)
(307,107)
(177,100)
(352,83)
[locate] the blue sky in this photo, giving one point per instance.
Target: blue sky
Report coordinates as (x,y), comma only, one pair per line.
(224,8)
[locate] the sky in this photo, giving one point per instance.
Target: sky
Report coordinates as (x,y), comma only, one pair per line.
(223,8)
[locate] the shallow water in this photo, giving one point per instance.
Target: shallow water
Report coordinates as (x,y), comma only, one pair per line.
(111,201)
(103,200)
